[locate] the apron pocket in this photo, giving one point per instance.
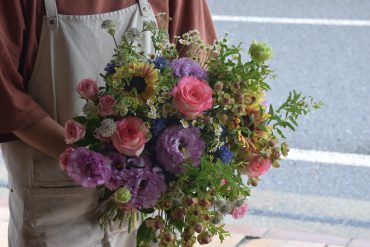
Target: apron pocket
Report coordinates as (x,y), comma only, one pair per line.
(61,217)
(47,173)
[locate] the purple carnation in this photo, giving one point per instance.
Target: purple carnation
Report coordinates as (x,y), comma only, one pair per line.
(187,67)
(177,144)
(87,167)
(145,184)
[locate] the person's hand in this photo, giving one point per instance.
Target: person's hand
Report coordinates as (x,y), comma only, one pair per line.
(47,136)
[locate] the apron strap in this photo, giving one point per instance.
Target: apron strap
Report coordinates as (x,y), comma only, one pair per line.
(51,13)
(144,7)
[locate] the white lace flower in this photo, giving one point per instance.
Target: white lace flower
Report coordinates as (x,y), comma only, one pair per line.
(107,128)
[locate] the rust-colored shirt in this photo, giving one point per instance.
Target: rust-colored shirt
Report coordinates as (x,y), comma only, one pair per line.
(20,29)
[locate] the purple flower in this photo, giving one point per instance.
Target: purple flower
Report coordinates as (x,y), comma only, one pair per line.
(187,67)
(110,68)
(118,162)
(177,144)
(145,184)
(87,167)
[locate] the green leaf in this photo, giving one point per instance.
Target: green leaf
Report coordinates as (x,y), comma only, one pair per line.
(144,234)
(147,210)
(80,119)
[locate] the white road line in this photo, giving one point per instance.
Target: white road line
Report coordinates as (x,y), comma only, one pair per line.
(336,158)
(315,156)
(294,21)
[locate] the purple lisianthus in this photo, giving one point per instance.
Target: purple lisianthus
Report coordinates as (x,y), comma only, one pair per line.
(88,168)
(145,184)
(110,68)
(187,67)
(118,162)
(177,144)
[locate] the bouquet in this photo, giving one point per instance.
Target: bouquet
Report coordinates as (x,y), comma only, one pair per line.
(167,138)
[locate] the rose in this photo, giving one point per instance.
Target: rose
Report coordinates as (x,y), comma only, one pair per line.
(130,136)
(105,106)
(73,131)
(87,89)
(192,96)
(240,212)
(257,166)
(65,157)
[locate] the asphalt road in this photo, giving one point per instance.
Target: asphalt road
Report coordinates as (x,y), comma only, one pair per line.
(331,63)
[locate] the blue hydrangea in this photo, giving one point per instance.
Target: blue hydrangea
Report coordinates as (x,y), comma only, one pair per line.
(224,154)
(158,125)
(110,68)
(160,63)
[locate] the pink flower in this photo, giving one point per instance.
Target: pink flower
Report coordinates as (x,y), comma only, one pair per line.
(65,157)
(130,136)
(73,131)
(105,106)
(88,89)
(192,96)
(240,212)
(257,166)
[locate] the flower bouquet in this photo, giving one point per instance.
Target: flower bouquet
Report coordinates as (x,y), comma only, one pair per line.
(167,139)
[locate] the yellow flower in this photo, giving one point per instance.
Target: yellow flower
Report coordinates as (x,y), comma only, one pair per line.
(144,78)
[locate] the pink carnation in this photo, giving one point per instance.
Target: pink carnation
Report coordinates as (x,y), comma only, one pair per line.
(106,104)
(240,212)
(192,96)
(257,166)
(130,136)
(87,89)
(73,131)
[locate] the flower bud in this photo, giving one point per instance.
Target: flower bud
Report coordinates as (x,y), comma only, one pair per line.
(204,238)
(198,228)
(260,51)
(284,149)
(122,195)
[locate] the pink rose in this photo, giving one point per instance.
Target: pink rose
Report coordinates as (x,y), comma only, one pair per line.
(192,96)
(240,212)
(88,89)
(257,166)
(64,158)
(73,131)
(105,106)
(130,136)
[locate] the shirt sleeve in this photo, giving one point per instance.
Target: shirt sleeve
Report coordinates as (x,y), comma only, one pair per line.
(191,14)
(17,108)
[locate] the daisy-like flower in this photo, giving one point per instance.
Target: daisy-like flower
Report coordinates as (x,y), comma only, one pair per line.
(144,79)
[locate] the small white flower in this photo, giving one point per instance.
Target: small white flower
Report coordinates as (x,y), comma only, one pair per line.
(89,109)
(184,123)
(133,34)
(107,128)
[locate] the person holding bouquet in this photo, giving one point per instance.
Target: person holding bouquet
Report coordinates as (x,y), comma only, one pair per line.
(46,47)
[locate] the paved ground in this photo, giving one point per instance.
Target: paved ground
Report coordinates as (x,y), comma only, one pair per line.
(330,62)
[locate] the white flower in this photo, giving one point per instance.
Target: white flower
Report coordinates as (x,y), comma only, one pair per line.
(184,123)
(89,109)
(107,128)
(133,34)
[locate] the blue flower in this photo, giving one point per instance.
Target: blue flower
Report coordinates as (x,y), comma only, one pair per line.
(110,68)
(160,63)
(158,125)
(224,154)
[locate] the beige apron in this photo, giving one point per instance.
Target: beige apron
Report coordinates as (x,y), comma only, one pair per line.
(46,207)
